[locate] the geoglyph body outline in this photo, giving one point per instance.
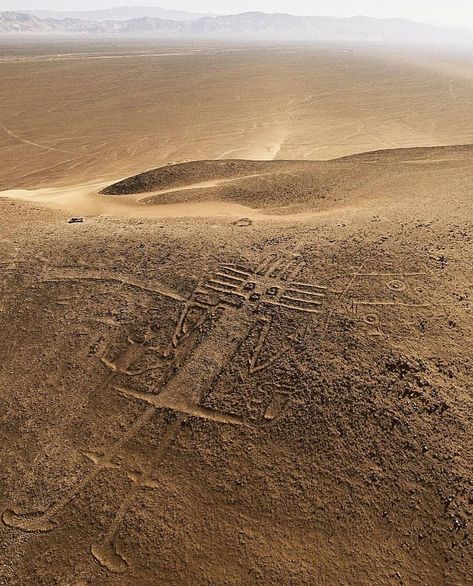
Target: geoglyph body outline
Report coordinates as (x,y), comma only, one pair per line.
(231,298)
(236,293)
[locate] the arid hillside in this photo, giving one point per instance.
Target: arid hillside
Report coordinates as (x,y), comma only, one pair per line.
(241,372)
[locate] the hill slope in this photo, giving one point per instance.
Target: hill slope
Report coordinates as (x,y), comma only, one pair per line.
(118,13)
(220,400)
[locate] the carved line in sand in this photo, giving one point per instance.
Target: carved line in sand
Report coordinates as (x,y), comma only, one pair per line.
(184,390)
(89,275)
(281,398)
(396,286)
(231,300)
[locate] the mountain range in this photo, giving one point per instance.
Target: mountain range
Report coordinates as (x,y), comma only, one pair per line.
(249,25)
(118,13)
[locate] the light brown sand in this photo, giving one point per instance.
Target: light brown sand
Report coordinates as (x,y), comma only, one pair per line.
(235,373)
(69,117)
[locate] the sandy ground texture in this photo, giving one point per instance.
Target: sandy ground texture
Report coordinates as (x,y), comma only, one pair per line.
(235,372)
(81,111)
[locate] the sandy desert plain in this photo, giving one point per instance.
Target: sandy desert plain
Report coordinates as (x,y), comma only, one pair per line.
(251,363)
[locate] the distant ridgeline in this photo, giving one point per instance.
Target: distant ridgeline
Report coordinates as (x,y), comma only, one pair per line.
(249,25)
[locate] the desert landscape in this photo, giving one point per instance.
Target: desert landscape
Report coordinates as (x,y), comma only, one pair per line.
(236,305)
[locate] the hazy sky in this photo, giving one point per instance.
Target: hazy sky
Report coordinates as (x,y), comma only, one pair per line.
(440,11)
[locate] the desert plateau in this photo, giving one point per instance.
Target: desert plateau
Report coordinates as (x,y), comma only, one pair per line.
(236,305)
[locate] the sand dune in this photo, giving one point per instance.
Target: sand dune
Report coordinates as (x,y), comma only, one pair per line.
(401,182)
